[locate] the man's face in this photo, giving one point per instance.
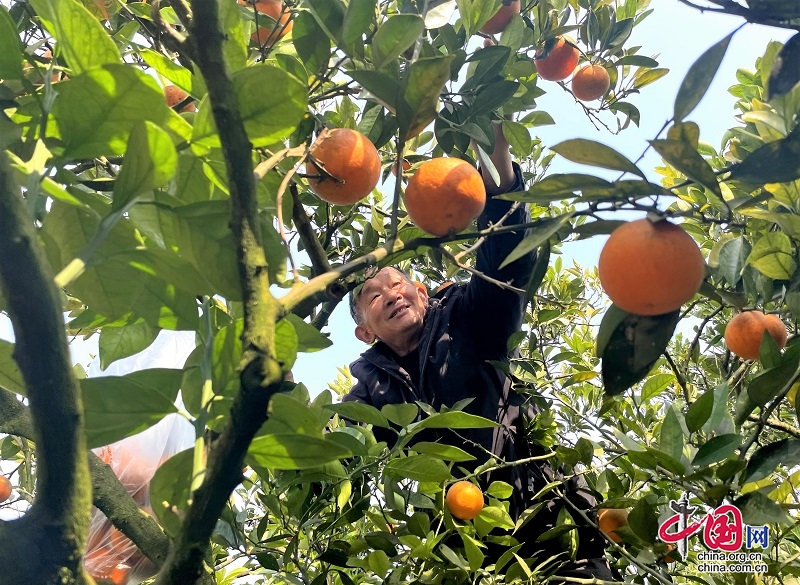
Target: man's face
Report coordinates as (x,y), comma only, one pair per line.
(392,309)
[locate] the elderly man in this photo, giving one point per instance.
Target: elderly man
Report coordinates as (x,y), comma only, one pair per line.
(442,349)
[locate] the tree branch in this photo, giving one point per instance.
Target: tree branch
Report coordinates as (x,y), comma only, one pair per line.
(108,494)
(58,520)
(261,374)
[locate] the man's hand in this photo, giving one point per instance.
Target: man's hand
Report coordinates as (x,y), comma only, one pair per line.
(501,159)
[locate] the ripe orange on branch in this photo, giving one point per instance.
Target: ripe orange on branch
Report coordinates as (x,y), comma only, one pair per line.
(590,82)
(175,95)
(560,62)
(650,268)
(269,32)
(744,333)
(5,488)
(499,22)
(351,163)
(609,519)
(464,500)
(445,195)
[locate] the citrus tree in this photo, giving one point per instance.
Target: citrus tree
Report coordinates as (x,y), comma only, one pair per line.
(173,166)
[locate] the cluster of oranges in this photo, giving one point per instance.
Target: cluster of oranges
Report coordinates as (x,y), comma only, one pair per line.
(652,268)
(272,29)
(589,83)
(443,196)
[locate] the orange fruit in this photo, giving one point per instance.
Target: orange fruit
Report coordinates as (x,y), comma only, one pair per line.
(650,268)
(559,63)
(5,488)
(352,164)
(464,500)
(275,9)
(175,95)
(668,558)
(445,195)
(406,167)
(609,519)
(590,82)
(744,333)
(499,22)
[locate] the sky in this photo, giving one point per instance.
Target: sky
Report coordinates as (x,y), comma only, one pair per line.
(658,38)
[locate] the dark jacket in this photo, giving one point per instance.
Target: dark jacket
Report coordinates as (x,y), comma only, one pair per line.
(464,330)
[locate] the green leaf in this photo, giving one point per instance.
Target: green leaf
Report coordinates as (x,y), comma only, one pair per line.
(10,54)
(633,348)
(174,72)
(785,69)
(589,152)
(495,516)
(536,236)
(455,419)
(329,14)
(358,412)
(111,287)
(670,439)
(235,40)
(358,17)
(500,490)
(383,87)
(170,491)
(10,376)
(558,186)
(717,449)
(637,61)
(687,160)
(116,407)
(313,46)
(294,451)
(491,97)
(441,451)
(758,510)
(96,111)
(784,453)
(655,385)
(424,82)
(120,342)
(772,256)
(267,115)
(82,40)
(289,415)
(767,384)
(400,414)
(643,520)
(700,411)
(475,13)
(475,557)
(518,136)
(733,258)
(698,78)
(418,468)
(775,162)
(285,344)
(150,162)
(397,34)
(309,338)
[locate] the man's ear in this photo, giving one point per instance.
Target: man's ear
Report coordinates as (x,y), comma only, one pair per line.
(365,335)
(421,290)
